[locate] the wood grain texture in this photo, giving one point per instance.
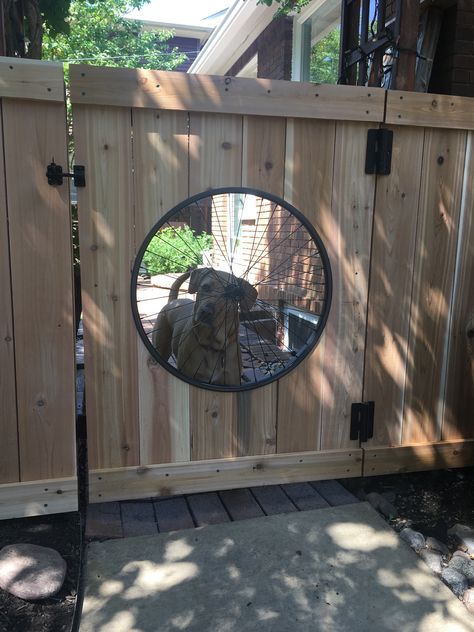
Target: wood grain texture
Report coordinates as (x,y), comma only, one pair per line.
(430,110)
(220,474)
(215,147)
(437,229)
(391,281)
(37,498)
(40,248)
(459,396)
(308,185)
(161,172)
(413,458)
(31,79)
(263,167)
(234,95)
(347,233)
(9,464)
(103,143)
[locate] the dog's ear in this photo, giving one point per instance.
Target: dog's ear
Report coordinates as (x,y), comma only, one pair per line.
(196,278)
(250,296)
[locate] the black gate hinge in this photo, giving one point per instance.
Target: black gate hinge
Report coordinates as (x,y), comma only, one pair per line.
(362,421)
(378,158)
(55,175)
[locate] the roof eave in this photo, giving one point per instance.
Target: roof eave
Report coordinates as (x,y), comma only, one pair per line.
(226,44)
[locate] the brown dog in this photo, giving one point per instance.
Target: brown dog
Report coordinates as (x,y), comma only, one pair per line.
(203,334)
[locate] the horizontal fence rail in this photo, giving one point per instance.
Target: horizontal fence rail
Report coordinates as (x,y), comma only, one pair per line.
(400,246)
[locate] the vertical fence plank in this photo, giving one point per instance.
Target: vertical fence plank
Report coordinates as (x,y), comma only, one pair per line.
(391,281)
(347,232)
(440,199)
(103,144)
(215,147)
(41,266)
(308,184)
(263,167)
(459,399)
(160,154)
(9,466)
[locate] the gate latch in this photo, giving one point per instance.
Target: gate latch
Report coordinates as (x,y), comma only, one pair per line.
(362,421)
(55,175)
(378,158)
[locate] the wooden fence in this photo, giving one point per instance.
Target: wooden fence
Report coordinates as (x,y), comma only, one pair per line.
(401,325)
(37,389)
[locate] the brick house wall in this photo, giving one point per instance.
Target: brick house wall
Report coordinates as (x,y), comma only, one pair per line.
(453,68)
(273,48)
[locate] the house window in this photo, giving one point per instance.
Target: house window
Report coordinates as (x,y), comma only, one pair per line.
(298,325)
(316,43)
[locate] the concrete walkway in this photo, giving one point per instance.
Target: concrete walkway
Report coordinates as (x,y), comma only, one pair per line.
(338,569)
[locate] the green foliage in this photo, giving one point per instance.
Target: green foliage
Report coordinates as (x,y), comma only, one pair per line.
(97,33)
(175,250)
(324,63)
(54,14)
(286,6)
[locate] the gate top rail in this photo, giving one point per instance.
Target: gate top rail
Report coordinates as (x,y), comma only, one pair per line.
(422,109)
(166,90)
(31,79)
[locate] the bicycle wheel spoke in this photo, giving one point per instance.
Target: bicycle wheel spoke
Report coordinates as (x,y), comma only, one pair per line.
(239,235)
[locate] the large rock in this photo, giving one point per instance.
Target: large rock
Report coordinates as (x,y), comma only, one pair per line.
(468,599)
(464,535)
(381,504)
(463,565)
(455,581)
(30,571)
(436,545)
(414,538)
(432,559)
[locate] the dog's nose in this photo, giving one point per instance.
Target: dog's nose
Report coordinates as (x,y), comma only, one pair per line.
(208,310)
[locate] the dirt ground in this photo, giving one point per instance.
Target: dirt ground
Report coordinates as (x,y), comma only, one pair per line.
(61,532)
(430,502)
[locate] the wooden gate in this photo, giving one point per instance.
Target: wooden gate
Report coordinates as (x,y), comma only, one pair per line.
(149,140)
(419,365)
(401,322)
(401,327)
(37,420)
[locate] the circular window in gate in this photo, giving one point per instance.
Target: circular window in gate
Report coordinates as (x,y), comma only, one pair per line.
(231,289)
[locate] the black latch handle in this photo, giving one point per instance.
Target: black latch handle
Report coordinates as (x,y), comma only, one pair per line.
(55,175)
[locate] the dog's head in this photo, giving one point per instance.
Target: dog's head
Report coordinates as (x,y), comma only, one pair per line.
(219,295)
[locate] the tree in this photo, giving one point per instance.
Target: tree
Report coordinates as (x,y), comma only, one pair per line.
(324,62)
(93,31)
(24,23)
(98,33)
